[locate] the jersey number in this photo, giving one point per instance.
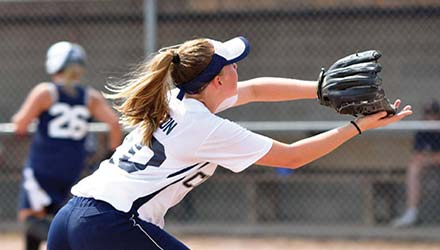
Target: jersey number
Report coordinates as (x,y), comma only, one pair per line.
(70,122)
(140,157)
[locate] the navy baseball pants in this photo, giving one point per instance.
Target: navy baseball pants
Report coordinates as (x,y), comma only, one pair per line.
(89,224)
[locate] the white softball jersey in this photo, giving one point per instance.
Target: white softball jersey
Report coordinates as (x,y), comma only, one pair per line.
(185,151)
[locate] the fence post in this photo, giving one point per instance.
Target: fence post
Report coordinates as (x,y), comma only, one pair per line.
(150,26)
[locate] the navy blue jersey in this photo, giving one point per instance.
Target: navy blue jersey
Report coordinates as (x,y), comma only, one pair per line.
(57,153)
(427,141)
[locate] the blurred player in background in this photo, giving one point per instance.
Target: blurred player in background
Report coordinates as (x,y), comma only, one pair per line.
(177,143)
(426,154)
(63,108)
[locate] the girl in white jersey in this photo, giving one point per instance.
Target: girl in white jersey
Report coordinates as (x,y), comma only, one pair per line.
(178,141)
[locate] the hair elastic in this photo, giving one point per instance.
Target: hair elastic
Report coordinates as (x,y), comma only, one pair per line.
(176,58)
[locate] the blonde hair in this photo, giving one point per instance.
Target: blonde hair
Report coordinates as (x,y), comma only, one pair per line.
(144,96)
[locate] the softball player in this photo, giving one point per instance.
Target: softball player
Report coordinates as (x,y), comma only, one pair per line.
(63,109)
(177,143)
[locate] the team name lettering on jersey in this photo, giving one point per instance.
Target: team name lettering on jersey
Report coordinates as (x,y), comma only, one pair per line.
(168,125)
(195,180)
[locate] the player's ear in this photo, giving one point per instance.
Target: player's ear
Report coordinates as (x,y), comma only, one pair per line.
(217,81)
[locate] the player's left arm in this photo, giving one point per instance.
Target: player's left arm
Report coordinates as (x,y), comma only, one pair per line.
(275,89)
(435,158)
(38,100)
(427,158)
(101,110)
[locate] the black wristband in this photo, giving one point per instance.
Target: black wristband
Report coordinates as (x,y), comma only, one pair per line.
(356,126)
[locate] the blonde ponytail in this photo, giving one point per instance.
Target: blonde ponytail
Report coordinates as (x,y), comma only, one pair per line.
(145,95)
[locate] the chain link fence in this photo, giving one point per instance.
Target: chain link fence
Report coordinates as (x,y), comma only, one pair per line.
(362,184)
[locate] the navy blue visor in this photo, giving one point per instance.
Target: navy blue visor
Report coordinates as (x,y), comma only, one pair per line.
(225,53)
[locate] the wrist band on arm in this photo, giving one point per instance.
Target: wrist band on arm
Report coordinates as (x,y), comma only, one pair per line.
(356,126)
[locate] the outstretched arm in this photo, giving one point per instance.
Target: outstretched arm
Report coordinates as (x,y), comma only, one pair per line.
(274,89)
(307,150)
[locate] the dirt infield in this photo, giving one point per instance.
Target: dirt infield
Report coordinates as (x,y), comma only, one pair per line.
(217,243)
(13,242)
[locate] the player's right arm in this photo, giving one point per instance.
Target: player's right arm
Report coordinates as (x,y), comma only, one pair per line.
(307,150)
(38,100)
(302,152)
(100,109)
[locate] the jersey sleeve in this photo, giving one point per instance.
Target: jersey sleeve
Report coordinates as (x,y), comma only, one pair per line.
(233,147)
(427,141)
(420,141)
(53,92)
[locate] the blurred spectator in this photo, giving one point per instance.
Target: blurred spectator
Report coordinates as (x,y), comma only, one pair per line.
(426,154)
